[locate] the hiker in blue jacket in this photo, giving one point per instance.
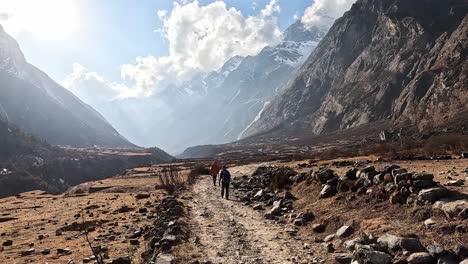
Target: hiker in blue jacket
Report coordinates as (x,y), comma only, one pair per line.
(224,180)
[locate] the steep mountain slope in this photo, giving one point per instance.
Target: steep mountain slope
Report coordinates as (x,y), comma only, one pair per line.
(219,106)
(400,61)
(40,106)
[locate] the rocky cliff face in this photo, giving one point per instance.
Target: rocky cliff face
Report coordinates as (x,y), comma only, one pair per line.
(38,105)
(395,60)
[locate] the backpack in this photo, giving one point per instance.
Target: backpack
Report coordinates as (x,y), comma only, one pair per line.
(225,176)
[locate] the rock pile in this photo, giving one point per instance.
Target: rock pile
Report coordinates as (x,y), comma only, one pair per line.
(389,248)
(261,191)
(168,230)
(393,183)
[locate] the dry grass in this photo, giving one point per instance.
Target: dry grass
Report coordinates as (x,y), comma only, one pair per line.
(37,213)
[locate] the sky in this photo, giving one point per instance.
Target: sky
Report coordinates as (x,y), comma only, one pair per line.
(103,35)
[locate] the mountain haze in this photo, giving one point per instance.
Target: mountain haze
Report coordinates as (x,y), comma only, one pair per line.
(40,106)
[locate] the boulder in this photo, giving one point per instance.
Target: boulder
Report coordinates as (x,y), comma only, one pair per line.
(433,194)
(276,209)
(327,191)
(323,175)
(451,208)
(259,194)
(458,182)
(422,177)
(344,231)
(420,258)
(398,171)
(164,259)
(258,207)
(367,255)
(121,260)
(462,251)
(389,242)
(343,258)
(140,196)
(351,244)
(289,196)
(329,238)
(319,228)
(411,245)
(435,250)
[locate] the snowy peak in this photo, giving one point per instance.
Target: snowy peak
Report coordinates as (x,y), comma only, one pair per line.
(232,64)
(297,32)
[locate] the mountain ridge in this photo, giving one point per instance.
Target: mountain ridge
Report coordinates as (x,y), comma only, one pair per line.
(35,103)
(362,71)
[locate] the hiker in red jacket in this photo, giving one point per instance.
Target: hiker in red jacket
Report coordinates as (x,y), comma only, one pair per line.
(215,168)
(224,180)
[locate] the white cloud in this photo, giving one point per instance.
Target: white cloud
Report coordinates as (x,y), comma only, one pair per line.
(201,39)
(324,12)
(271,8)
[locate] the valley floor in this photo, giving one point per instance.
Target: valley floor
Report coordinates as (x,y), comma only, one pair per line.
(221,231)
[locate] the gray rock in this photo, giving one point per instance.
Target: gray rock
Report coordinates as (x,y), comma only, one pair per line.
(7,243)
(327,191)
(389,242)
(319,228)
(458,182)
(344,231)
(420,258)
(351,244)
(276,209)
(435,250)
(121,260)
(289,196)
(398,171)
(343,258)
(422,177)
(164,259)
(258,207)
(329,238)
(428,223)
(433,194)
(451,208)
(367,255)
(411,245)
(28,252)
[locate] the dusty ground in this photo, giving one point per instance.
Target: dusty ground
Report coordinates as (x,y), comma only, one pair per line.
(29,215)
(225,231)
(229,232)
(222,231)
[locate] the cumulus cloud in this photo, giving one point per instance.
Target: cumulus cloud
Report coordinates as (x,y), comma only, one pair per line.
(324,12)
(92,87)
(201,39)
(270,8)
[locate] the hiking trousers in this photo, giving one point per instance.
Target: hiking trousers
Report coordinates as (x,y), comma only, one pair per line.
(225,188)
(214,180)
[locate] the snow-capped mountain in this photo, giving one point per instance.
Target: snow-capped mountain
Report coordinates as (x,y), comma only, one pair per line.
(38,105)
(219,106)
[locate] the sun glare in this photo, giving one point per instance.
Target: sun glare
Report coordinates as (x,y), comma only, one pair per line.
(46,19)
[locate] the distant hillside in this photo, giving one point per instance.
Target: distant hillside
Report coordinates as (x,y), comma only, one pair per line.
(27,163)
(40,106)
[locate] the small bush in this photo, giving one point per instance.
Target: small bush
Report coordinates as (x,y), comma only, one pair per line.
(170,179)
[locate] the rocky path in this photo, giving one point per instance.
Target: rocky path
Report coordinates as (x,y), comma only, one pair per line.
(225,231)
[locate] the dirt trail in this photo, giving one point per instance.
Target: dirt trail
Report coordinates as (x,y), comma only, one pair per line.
(228,232)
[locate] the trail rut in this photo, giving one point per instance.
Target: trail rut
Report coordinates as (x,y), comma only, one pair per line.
(226,231)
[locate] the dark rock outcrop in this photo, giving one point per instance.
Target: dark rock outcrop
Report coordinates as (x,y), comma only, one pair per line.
(397,61)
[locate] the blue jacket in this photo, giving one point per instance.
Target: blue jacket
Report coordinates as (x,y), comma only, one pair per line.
(225,176)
